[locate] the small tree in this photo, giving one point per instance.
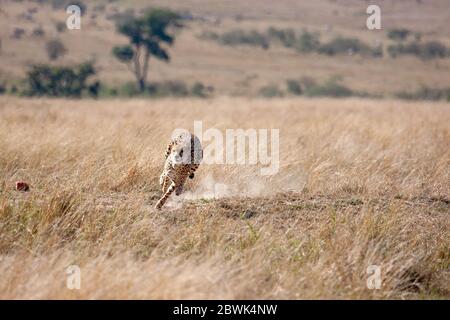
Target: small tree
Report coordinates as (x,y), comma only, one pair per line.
(146,35)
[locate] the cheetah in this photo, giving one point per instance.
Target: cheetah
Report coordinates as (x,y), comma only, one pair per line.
(183,156)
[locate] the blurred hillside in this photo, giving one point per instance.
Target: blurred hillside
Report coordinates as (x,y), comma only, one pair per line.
(27,26)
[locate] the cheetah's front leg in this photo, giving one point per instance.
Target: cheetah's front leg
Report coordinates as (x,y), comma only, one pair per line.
(163,181)
(166,195)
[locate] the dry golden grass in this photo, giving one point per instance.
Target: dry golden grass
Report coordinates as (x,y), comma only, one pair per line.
(361,183)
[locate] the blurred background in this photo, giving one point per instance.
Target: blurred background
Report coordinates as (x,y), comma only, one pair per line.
(238,48)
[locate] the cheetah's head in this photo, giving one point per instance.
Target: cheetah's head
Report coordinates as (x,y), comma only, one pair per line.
(178,156)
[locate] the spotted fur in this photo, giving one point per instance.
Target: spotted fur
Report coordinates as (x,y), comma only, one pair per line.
(183,156)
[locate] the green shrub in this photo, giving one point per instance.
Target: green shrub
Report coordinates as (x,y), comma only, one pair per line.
(270,91)
(200,90)
(238,37)
(308,42)
(106,92)
(434,49)
(209,35)
(156,90)
(38,32)
(398,34)
(331,88)
(167,89)
(425,51)
(426,93)
(55,49)
(13,90)
(129,89)
(342,45)
(286,37)
(294,87)
(59,81)
(60,26)
(17,33)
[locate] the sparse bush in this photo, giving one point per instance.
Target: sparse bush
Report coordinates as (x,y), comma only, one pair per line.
(209,35)
(174,89)
(331,88)
(238,37)
(341,45)
(106,91)
(378,52)
(286,37)
(294,87)
(13,89)
(168,89)
(398,34)
(434,49)
(45,80)
(38,32)
(55,49)
(418,36)
(26,16)
(18,33)
(307,82)
(200,90)
(308,42)
(425,51)
(129,89)
(270,91)
(2,88)
(426,93)
(241,37)
(60,26)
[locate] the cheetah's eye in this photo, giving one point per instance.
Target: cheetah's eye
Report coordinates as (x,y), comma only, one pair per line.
(181,153)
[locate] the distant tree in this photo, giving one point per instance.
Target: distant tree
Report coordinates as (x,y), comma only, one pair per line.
(146,36)
(55,49)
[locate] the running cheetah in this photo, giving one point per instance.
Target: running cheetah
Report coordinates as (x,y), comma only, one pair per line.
(183,156)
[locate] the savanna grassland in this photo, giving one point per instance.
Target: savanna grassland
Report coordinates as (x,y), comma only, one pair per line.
(361,182)
(238,70)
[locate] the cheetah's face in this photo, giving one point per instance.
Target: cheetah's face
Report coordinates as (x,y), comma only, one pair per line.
(178,156)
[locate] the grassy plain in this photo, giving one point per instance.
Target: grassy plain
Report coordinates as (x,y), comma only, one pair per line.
(360,183)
